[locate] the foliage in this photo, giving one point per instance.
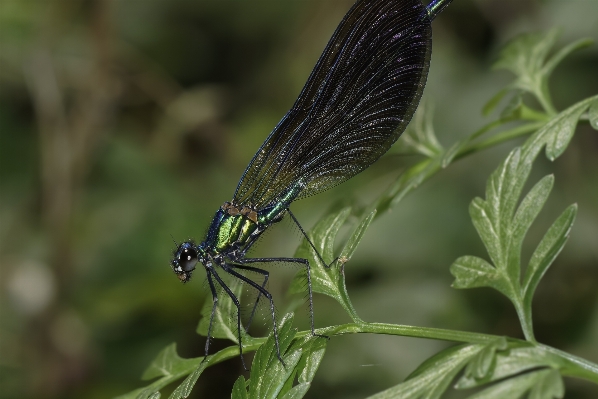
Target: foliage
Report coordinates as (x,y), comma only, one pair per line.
(505,367)
(127,123)
(498,366)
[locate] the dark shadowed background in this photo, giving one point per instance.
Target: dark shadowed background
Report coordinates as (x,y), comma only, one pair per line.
(124,123)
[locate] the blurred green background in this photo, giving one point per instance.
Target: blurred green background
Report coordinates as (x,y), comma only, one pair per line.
(126,122)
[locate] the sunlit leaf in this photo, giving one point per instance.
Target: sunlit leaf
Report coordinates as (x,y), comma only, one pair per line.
(557,133)
(502,225)
(271,379)
(239,390)
(485,223)
(526,213)
(314,350)
(561,132)
(551,245)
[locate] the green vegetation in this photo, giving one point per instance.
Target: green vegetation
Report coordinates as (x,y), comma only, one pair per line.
(503,366)
(126,123)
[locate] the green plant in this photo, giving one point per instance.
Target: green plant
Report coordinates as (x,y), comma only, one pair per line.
(500,366)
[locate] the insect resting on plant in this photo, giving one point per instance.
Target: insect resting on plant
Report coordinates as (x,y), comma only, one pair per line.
(356,103)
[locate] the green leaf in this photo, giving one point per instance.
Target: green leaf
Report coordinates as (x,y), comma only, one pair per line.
(549,387)
(485,224)
(503,191)
(239,391)
(277,375)
(564,53)
(271,379)
(225,319)
(167,363)
(420,136)
(298,391)
(525,55)
(482,364)
(324,280)
(513,388)
(593,114)
(267,352)
(184,389)
(503,228)
(356,237)
(433,377)
(329,281)
(511,361)
(472,272)
(556,133)
(551,245)
(492,217)
(560,132)
(314,351)
(527,212)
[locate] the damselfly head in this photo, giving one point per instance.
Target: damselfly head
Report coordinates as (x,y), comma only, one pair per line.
(184,261)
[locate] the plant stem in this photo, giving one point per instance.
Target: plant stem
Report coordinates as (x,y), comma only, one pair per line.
(407,331)
(577,367)
(500,138)
(525,319)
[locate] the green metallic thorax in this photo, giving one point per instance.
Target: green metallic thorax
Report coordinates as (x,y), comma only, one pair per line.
(231,230)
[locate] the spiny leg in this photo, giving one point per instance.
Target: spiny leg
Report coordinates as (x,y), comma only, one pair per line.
(238,305)
(266,275)
(305,263)
(229,269)
(309,241)
(214,306)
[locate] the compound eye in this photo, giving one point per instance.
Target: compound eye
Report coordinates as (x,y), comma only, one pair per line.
(187,259)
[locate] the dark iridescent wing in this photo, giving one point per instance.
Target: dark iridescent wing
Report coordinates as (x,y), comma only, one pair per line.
(356,103)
